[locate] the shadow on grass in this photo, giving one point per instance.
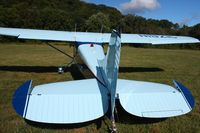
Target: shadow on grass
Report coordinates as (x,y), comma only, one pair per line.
(139,69)
(76,73)
(98,123)
(126,118)
(54,69)
(35,69)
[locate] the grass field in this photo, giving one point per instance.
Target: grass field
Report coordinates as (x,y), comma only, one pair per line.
(21,62)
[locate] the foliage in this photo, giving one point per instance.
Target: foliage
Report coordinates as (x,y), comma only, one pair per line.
(68,14)
(98,21)
(195,31)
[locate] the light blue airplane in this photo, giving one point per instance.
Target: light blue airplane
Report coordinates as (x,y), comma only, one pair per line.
(85,100)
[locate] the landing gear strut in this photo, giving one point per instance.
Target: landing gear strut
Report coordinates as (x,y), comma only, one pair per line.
(113,128)
(61,69)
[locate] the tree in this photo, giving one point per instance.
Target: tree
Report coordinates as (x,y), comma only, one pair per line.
(195,31)
(165,24)
(1,16)
(98,22)
(129,24)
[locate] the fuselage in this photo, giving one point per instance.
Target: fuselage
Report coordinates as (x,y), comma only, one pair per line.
(87,58)
(81,66)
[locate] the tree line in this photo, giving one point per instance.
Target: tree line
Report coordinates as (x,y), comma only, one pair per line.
(70,15)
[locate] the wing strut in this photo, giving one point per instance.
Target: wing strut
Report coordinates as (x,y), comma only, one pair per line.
(59,50)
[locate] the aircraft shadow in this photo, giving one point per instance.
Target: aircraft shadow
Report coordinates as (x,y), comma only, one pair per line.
(76,74)
(124,117)
(53,69)
(35,69)
(139,69)
(98,123)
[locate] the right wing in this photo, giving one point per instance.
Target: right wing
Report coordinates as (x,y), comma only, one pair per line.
(93,37)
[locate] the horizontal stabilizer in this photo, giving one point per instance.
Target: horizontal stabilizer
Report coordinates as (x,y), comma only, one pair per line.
(93,37)
(153,100)
(65,102)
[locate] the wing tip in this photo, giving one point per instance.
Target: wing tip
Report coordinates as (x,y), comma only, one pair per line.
(20,97)
(185,91)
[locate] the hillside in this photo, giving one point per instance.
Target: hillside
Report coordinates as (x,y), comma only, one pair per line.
(65,14)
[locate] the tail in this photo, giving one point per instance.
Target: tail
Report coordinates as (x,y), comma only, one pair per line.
(110,66)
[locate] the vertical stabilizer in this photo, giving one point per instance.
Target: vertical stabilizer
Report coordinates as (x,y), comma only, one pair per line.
(111,65)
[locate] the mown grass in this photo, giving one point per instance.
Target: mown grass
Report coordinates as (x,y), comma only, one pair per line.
(157,65)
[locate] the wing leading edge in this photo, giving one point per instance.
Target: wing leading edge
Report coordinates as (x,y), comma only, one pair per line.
(52,35)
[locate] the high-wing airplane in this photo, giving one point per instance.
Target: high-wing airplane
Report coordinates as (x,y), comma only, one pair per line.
(85,100)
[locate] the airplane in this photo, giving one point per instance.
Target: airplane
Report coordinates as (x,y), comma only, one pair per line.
(79,101)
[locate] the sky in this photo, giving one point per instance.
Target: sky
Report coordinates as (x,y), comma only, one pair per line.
(177,11)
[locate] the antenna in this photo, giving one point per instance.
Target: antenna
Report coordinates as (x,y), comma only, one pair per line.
(101,31)
(75,31)
(75,27)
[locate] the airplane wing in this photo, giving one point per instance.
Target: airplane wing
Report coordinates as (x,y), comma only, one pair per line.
(157,39)
(93,37)
(55,35)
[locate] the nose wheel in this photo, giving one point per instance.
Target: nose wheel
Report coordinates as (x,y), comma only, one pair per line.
(60,70)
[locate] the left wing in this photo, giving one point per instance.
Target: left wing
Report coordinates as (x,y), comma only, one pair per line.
(93,37)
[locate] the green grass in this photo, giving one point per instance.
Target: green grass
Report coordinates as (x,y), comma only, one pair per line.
(182,65)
